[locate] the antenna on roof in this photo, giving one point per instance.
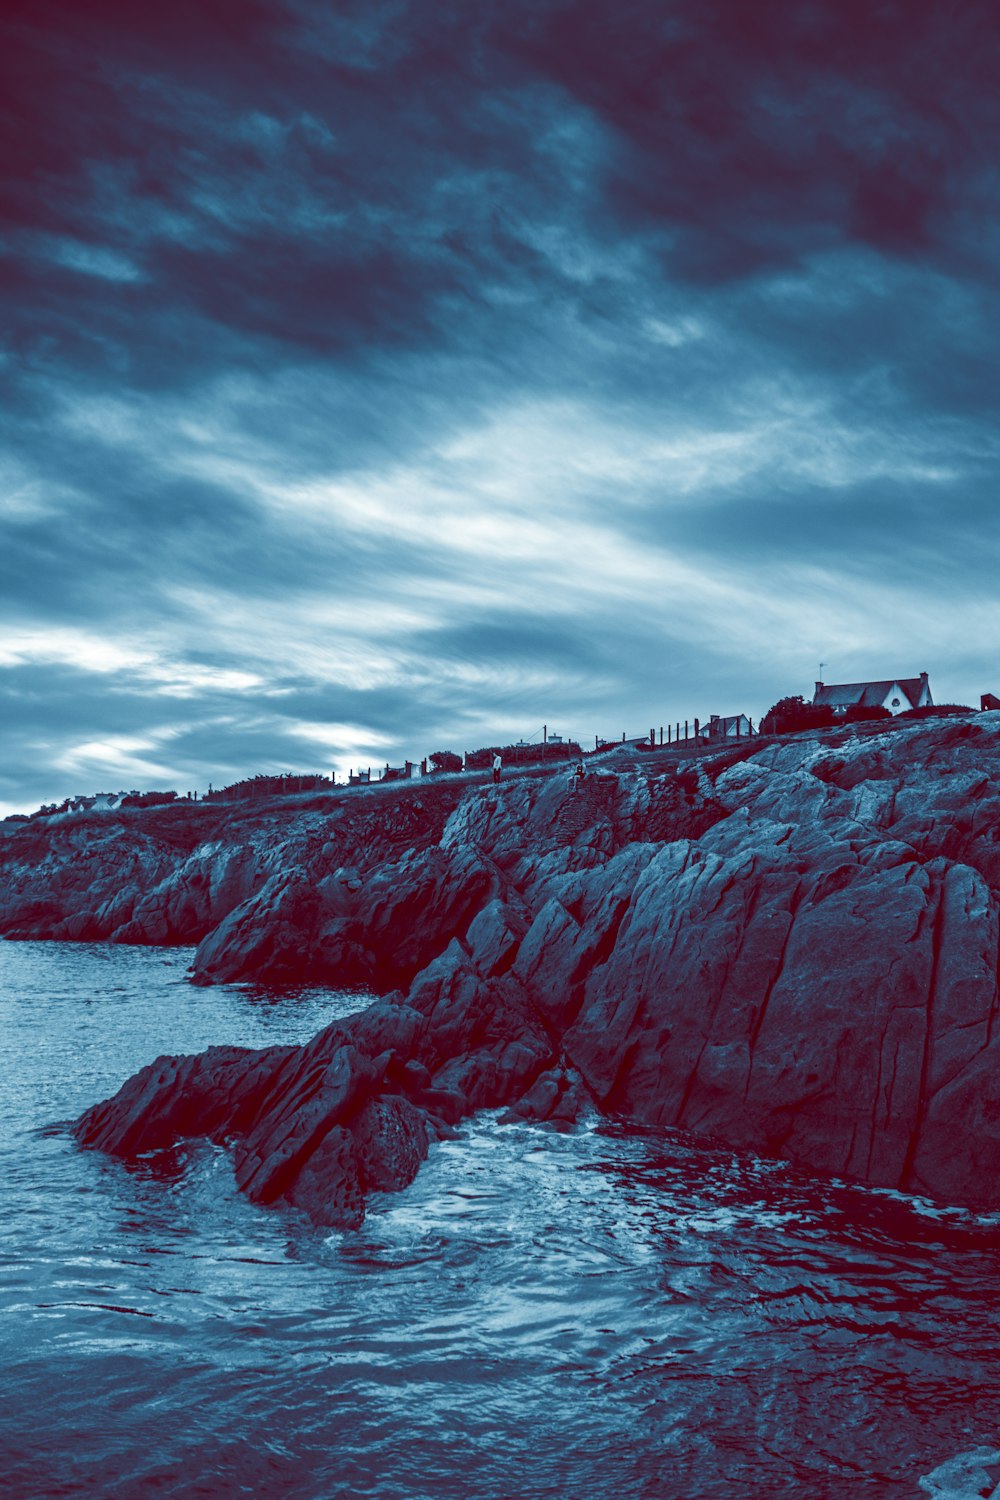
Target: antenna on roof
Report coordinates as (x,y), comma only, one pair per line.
(821,666)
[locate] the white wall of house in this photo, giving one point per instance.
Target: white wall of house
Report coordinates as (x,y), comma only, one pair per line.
(896,700)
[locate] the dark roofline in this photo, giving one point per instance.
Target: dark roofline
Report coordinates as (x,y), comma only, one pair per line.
(920,679)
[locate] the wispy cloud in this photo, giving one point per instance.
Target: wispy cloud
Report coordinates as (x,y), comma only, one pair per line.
(118,755)
(395,376)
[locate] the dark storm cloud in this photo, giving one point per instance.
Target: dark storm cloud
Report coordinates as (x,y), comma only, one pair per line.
(261,197)
(198,187)
(763,131)
(343,196)
(393,375)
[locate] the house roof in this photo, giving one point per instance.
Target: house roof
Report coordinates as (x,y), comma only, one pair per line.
(866,694)
(722,723)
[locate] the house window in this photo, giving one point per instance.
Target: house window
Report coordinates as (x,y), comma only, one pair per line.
(895,702)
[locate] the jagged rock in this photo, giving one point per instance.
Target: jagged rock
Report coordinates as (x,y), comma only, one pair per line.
(172,874)
(558,1097)
(791,946)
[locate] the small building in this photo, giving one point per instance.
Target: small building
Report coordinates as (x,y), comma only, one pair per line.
(726,727)
(547,739)
(97,802)
(988,702)
(896,694)
(405,772)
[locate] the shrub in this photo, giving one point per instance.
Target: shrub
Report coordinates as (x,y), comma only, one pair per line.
(523,755)
(932,710)
(148,799)
(790,715)
(445,760)
(860,714)
(481,760)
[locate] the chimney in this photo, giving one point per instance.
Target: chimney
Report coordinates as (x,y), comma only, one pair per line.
(819,687)
(923,677)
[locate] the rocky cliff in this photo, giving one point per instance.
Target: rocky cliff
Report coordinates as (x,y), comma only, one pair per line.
(172,874)
(792,947)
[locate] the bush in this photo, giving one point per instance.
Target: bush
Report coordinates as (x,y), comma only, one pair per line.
(932,710)
(523,755)
(444,760)
(283,785)
(481,760)
(861,714)
(148,799)
(791,715)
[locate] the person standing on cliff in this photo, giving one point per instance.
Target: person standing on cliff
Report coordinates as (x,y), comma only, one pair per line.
(497,768)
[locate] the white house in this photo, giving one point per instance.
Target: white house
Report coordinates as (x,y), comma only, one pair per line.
(895,694)
(99,802)
(726,727)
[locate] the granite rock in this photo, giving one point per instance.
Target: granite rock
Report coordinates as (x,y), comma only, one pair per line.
(790,946)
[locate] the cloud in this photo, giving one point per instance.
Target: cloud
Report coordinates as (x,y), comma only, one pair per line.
(117,755)
(388,377)
(73,648)
(758,134)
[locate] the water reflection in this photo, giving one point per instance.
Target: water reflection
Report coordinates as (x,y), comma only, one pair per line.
(278,999)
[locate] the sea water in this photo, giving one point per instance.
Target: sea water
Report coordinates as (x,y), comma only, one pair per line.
(595,1314)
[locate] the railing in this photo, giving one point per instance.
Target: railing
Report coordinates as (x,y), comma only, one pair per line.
(682,733)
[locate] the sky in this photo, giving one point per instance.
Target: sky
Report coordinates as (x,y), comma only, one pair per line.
(385,377)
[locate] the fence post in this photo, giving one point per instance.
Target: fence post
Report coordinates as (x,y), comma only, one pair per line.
(686,736)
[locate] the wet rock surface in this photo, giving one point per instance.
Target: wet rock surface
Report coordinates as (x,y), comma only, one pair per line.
(792,948)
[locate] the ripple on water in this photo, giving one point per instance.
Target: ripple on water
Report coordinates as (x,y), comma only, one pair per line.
(598,1314)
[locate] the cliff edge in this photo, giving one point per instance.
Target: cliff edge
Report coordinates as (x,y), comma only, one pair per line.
(789,946)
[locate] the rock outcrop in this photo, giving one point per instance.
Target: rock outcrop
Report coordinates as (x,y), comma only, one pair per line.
(170,875)
(791,946)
